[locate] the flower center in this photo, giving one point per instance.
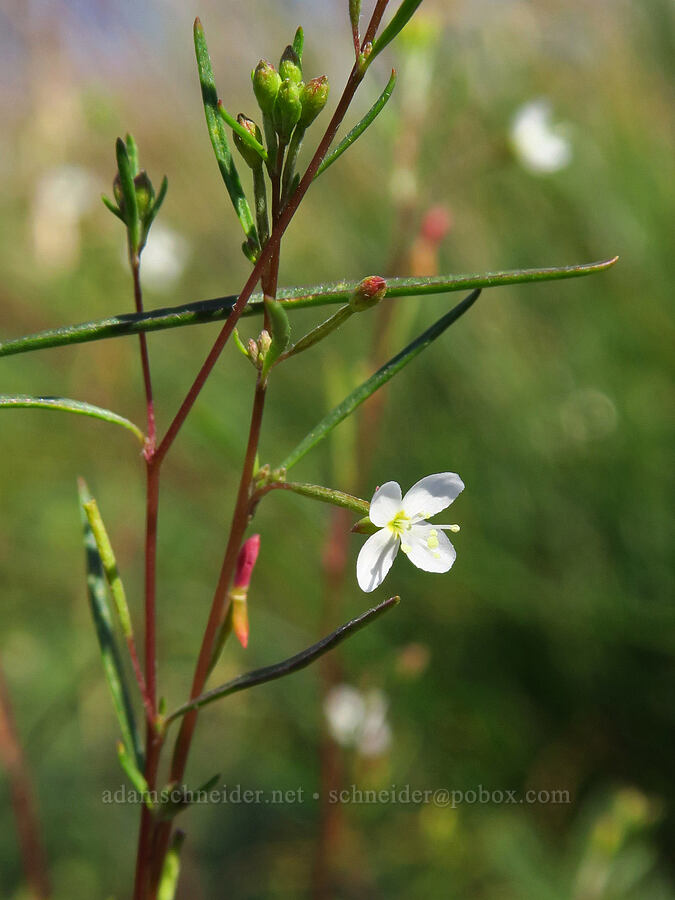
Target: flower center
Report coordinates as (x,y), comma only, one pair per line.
(399,524)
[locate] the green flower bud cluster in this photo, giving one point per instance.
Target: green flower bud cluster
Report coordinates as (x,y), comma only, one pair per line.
(136,203)
(284,98)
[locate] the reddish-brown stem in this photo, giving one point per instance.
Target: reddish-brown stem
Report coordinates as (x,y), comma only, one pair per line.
(146,837)
(152,511)
(22,799)
(374,23)
(140,679)
(145,360)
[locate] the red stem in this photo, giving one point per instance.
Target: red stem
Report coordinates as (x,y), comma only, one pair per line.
(374,23)
(145,360)
(22,800)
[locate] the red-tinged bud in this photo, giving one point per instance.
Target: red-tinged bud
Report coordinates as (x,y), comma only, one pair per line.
(246,561)
(266,83)
(313,97)
(250,154)
(368,293)
(239,591)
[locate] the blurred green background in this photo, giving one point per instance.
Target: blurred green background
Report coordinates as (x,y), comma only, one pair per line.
(544,660)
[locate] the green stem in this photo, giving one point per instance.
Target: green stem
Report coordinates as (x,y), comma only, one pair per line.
(291,161)
(315,492)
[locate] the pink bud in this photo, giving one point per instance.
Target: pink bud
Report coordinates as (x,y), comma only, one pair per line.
(246,561)
(240,621)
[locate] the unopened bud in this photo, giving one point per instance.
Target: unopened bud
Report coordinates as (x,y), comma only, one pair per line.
(368,293)
(251,156)
(266,82)
(145,194)
(239,592)
(264,342)
(313,97)
(287,109)
(289,66)
(252,349)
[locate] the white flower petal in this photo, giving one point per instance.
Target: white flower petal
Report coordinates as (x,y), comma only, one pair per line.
(428,548)
(385,504)
(432,494)
(375,559)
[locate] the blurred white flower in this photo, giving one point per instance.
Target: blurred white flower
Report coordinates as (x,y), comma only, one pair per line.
(358,719)
(540,147)
(164,258)
(588,414)
(62,196)
(402,522)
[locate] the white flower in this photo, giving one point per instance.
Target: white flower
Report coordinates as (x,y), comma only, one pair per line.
(539,146)
(402,522)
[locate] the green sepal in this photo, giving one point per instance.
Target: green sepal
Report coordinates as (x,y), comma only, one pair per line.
(128,205)
(299,42)
(280,332)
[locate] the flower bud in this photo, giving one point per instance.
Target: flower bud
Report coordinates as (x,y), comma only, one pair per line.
(145,194)
(118,193)
(266,82)
(251,156)
(368,293)
(289,66)
(313,97)
(264,342)
(287,109)
(239,591)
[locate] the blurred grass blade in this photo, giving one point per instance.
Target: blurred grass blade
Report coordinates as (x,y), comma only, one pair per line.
(103,621)
(288,666)
(133,773)
(375,382)
(203,311)
(398,22)
(168,883)
(358,129)
(22,401)
(218,136)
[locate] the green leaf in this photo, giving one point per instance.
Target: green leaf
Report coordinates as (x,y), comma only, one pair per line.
(280,333)
(358,129)
(168,883)
(103,622)
(398,22)
(288,666)
(105,552)
(157,204)
(176,799)
(114,209)
(23,401)
(134,774)
(381,377)
(218,136)
(203,311)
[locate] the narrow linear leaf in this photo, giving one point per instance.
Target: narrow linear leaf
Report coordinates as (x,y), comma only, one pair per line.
(358,129)
(398,22)
(107,556)
(288,666)
(133,773)
(218,135)
(375,382)
(110,655)
(321,493)
(23,401)
(204,311)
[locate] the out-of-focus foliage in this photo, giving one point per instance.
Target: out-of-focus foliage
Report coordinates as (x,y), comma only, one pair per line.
(544,660)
